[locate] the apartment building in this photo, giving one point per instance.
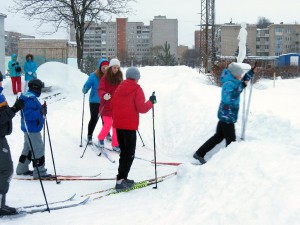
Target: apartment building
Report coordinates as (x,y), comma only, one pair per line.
(165,30)
(275,40)
(129,41)
(283,39)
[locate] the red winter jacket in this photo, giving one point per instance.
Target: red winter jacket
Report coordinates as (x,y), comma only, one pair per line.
(105,87)
(127,103)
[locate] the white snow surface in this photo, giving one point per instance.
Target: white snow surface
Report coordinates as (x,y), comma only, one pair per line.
(255,181)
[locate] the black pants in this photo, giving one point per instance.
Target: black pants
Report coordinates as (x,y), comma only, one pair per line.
(94,110)
(127,144)
(224,130)
(6,167)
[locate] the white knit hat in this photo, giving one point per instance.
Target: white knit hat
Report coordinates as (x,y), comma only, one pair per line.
(114,62)
(235,69)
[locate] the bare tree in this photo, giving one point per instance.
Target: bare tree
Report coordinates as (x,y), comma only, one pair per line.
(78,13)
(263,22)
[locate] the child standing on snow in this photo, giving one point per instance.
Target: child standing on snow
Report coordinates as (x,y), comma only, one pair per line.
(93,84)
(128,102)
(32,122)
(232,87)
(108,84)
(6,165)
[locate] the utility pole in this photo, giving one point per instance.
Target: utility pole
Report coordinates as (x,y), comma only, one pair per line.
(207,35)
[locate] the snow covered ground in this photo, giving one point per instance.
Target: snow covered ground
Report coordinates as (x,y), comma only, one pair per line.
(250,182)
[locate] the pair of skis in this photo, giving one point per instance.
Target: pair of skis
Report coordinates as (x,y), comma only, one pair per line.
(68,203)
(68,178)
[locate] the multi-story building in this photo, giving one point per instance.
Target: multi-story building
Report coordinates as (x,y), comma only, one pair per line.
(226,42)
(2,43)
(164,30)
(275,40)
(129,41)
(284,38)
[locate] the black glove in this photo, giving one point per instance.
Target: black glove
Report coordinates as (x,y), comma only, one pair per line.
(13,64)
(19,104)
(153,99)
(44,109)
(1,77)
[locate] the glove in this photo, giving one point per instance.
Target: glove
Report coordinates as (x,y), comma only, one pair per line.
(19,104)
(29,73)
(1,77)
(153,99)
(44,109)
(13,64)
(84,90)
(107,96)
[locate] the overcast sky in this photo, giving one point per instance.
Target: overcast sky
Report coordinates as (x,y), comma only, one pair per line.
(187,13)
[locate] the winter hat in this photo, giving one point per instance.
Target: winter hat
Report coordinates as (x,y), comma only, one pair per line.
(36,85)
(133,73)
(235,69)
(102,62)
(114,62)
(3,101)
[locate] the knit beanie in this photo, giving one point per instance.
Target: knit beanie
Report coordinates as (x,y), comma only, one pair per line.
(235,69)
(104,63)
(3,101)
(114,62)
(133,73)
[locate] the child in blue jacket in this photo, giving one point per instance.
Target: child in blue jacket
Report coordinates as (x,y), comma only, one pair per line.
(32,122)
(232,87)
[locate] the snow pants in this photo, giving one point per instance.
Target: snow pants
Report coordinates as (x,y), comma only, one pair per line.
(6,169)
(105,130)
(38,158)
(16,84)
(127,144)
(224,130)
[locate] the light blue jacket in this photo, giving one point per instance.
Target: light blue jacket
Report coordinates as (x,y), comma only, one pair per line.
(12,64)
(93,84)
(30,66)
(230,99)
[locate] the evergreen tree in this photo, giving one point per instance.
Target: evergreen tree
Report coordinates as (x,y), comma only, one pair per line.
(165,58)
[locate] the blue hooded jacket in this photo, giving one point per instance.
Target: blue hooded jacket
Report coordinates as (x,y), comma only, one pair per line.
(12,64)
(30,66)
(32,113)
(230,97)
(93,82)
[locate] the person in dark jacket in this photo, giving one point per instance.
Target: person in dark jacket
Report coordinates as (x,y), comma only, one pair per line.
(6,165)
(232,87)
(32,122)
(127,103)
(93,84)
(15,74)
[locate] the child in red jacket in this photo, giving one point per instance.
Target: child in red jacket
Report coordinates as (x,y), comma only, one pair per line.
(128,102)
